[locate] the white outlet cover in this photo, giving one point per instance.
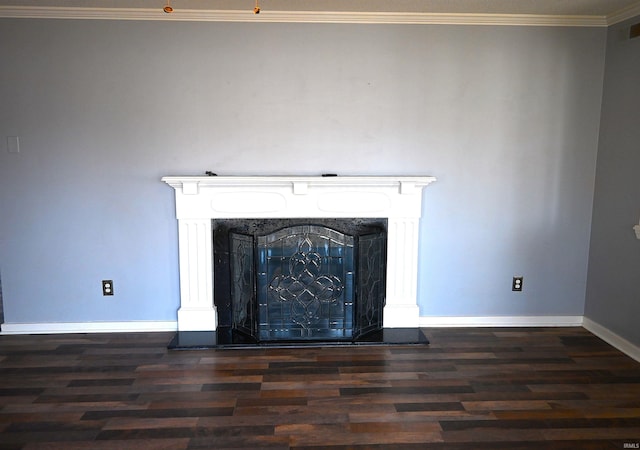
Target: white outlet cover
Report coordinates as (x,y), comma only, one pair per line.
(636,228)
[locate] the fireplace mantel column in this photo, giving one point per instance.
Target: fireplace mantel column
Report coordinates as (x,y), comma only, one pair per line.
(197,311)
(401,310)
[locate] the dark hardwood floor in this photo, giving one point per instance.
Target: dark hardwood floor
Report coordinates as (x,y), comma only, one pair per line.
(478,388)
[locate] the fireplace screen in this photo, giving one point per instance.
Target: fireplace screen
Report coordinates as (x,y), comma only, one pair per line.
(307,282)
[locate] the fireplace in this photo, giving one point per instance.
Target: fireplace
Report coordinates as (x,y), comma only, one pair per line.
(203,203)
(300,279)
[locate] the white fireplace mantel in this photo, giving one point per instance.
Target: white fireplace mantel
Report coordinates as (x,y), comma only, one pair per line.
(201,199)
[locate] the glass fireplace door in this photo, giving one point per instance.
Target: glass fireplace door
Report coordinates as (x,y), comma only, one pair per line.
(305,284)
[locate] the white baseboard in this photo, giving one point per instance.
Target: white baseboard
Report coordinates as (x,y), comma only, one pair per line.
(612,338)
(149,326)
(88,327)
(501,321)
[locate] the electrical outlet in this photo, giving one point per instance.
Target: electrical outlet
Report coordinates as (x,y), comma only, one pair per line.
(107,287)
(516,285)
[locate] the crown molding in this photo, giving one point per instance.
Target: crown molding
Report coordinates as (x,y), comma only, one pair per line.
(629,12)
(34,12)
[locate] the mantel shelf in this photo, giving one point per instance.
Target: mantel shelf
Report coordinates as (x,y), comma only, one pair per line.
(283,180)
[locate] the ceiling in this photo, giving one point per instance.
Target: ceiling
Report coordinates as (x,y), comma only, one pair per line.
(527,12)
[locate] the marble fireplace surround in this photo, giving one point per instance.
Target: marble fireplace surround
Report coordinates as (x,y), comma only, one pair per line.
(199,200)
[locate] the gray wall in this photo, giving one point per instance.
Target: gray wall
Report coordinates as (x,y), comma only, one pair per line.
(613,294)
(506,118)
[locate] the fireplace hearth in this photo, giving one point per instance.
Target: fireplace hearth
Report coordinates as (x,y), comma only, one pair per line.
(313,288)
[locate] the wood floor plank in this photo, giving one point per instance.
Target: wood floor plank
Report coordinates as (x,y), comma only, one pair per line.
(132,444)
(480,388)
